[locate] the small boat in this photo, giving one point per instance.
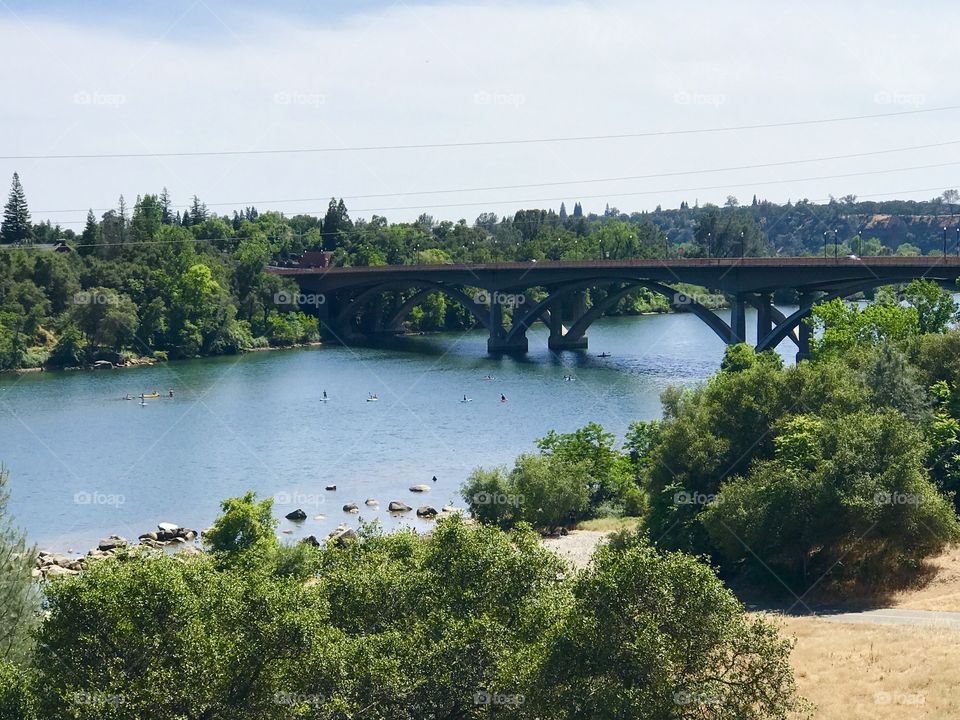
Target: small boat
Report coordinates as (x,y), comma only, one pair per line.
(466,399)
(372,398)
(150,395)
(604,355)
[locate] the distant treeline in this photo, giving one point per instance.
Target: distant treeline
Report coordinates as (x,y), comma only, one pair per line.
(150,280)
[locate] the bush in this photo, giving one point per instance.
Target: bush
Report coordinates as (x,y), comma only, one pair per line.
(542,491)
(657,635)
(856,505)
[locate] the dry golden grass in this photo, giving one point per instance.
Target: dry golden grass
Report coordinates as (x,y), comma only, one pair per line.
(942,592)
(609,525)
(879,672)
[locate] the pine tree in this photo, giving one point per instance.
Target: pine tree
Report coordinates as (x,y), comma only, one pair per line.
(166,217)
(577,210)
(18,595)
(89,237)
(198,212)
(563,211)
(16,226)
(123,219)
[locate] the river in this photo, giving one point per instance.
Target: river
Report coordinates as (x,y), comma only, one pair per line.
(85,463)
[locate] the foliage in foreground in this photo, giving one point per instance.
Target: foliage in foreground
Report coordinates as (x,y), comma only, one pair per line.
(469,622)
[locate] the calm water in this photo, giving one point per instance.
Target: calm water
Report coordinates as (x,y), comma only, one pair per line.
(85,463)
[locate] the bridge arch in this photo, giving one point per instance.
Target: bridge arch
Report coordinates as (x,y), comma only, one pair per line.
(426,287)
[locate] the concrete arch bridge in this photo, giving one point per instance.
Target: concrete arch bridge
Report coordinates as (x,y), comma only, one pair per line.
(500,296)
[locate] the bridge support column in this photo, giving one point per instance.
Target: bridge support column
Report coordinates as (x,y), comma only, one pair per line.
(764,315)
(738,318)
(497,342)
(558,339)
(803,330)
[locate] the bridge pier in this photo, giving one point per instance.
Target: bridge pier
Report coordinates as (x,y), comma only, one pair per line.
(498,341)
(738,318)
(764,315)
(803,330)
(559,337)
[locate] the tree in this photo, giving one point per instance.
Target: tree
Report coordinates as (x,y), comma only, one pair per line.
(166,215)
(860,507)
(245,526)
(657,635)
(935,306)
(16,226)
(89,237)
(19,601)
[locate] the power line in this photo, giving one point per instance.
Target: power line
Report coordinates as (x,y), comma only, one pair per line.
(623,178)
(480,143)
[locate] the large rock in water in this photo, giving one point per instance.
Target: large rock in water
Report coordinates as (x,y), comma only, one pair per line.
(420,488)
(166,527)
(426,512)
(330,487)
(351,508)
(397,506)
(298,515)
(112,543)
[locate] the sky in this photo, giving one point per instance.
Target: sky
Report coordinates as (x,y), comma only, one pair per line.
(113,77)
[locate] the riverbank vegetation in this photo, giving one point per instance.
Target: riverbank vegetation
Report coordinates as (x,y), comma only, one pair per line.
(471,621)
(151,280)
(840,472)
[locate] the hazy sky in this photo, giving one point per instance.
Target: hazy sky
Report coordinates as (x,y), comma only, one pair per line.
(99,77)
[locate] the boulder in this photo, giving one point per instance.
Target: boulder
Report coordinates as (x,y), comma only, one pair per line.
(112,543)
(426,512)
(311,540)
(330,487)
(188,534)
(57,571)
(190,551)
(420,488)
(341,535)
(397,506)
(149,536)
(451,509)
(371,502)
(297,515)
(166,527)
(351,508)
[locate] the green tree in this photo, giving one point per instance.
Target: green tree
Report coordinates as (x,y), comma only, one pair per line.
(657,635)
(935,306)
(16,227)
(19,601)
(244,526)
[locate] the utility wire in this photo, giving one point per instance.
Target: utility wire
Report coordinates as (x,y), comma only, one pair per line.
(623,178)
(480,143)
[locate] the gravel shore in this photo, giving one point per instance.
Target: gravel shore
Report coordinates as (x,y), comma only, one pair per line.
(575,547)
